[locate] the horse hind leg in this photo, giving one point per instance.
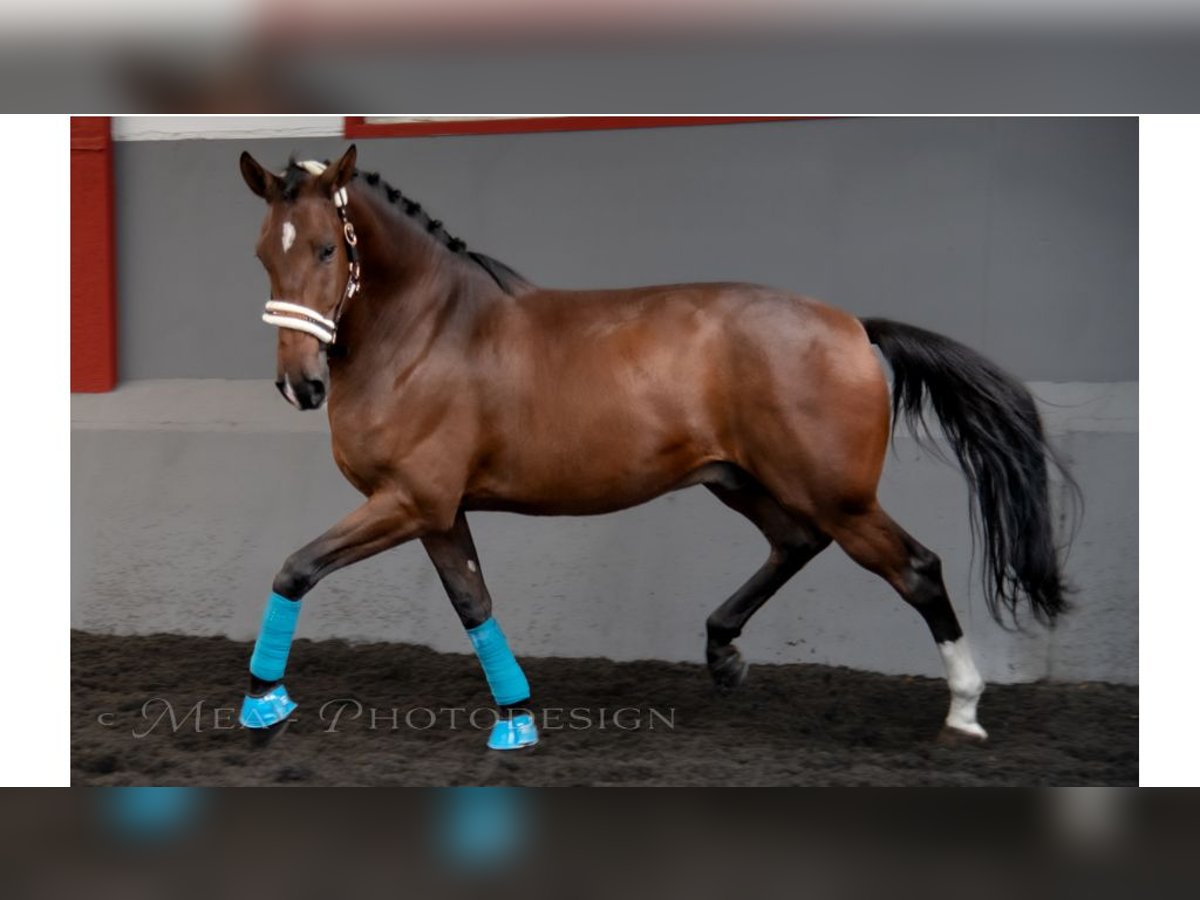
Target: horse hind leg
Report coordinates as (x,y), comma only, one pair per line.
(793,541)
(878,544)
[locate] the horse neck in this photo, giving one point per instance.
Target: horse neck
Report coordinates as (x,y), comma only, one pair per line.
(409,283)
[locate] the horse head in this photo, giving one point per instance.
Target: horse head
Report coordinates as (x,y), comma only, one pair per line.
(308,247)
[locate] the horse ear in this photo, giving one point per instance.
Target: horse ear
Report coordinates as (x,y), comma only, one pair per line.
(339,174)
(258,179)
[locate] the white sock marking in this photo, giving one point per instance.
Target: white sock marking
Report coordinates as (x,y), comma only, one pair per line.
(966,686)
(289,236)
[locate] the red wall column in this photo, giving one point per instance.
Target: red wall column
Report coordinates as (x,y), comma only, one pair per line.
(93,251)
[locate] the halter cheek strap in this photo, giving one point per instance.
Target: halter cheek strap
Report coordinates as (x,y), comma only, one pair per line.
(294,316)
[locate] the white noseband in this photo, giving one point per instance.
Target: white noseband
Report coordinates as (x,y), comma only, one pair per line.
(300,318)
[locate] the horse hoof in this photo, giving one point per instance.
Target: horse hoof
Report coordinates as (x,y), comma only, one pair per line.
(513,733)
(263,737)
(729,671)
(951,736)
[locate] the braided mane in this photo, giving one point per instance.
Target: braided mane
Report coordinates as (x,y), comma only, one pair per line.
(507,278)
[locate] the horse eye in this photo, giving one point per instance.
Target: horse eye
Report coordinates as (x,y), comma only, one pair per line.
(325,254)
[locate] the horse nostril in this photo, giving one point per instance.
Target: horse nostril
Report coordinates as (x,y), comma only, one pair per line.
(316,391)
(305,394)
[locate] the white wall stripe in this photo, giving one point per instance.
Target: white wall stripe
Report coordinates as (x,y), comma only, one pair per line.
(184,128)
(189,128)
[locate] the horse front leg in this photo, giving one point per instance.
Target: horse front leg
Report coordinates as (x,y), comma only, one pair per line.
(384,521)
(453,555)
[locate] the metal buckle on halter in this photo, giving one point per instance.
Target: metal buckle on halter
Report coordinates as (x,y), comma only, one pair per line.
(352,281)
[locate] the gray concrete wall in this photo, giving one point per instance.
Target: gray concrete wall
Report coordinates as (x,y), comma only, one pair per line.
(193,481)
(1018,236)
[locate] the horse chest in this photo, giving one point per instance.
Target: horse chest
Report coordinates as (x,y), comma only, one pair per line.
(362,448)
(373,452)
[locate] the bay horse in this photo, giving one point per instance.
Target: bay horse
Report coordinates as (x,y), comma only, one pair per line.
(453,384)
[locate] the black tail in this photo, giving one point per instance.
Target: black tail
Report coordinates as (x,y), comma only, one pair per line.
(994,429)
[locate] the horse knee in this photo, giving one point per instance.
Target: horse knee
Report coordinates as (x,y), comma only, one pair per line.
(295,579)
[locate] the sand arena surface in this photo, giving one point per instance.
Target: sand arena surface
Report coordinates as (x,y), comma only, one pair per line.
(397,714)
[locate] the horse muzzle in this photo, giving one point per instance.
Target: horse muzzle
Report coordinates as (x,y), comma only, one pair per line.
(308,393)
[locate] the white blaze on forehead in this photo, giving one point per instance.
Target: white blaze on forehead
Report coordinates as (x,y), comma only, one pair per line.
(289,236)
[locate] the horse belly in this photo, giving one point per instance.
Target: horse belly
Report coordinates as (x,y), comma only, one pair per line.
(589,460)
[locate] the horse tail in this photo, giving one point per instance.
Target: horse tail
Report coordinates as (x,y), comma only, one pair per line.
(993,427)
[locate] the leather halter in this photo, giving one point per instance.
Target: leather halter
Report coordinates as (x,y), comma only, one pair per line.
(285,314)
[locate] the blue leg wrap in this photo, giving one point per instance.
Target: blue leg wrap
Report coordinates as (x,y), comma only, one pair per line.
(275,638)
(514,729)
(504,676)
(268,662)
